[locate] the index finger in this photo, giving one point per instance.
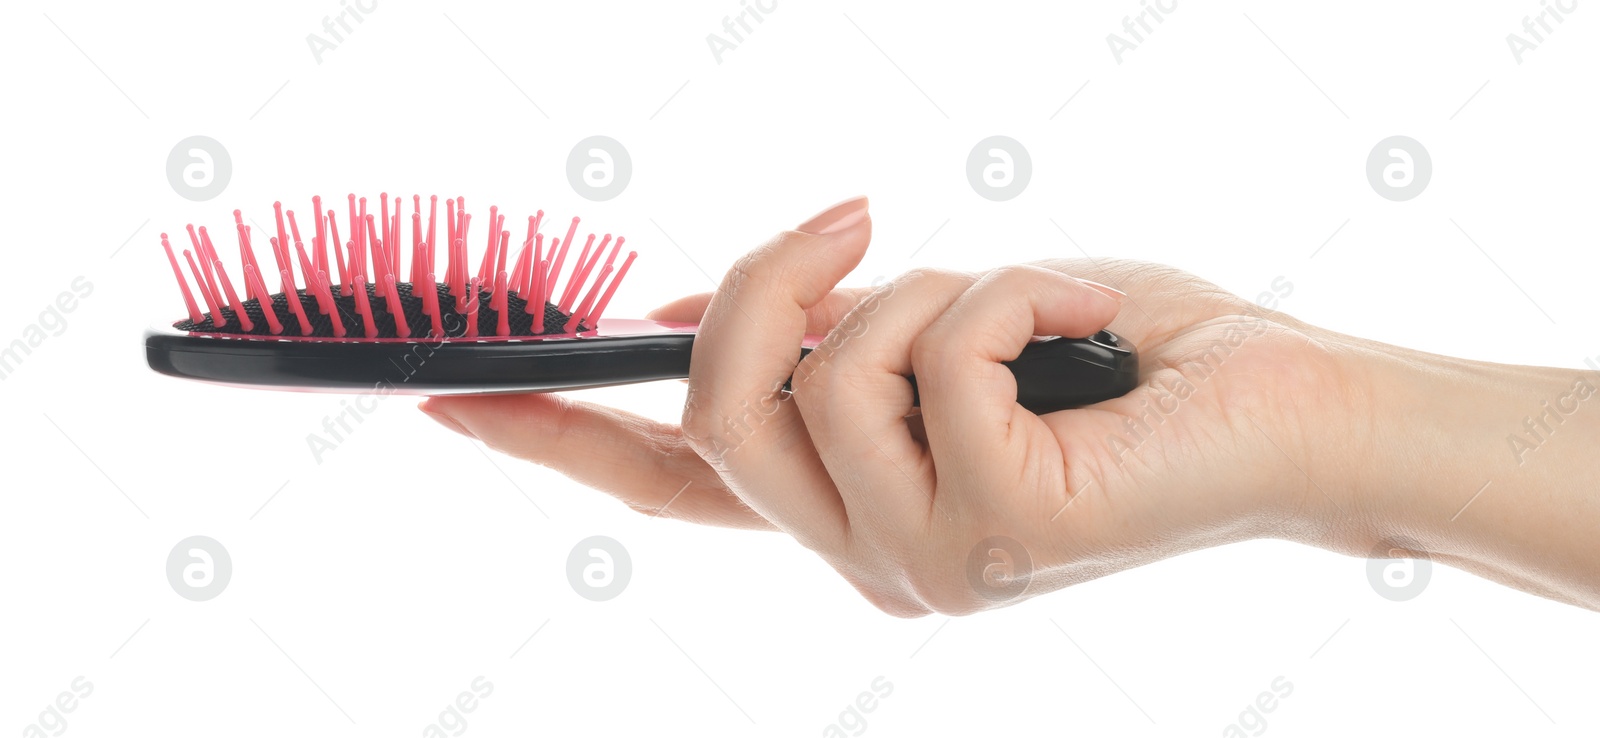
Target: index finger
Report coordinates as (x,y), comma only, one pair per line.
(745,350)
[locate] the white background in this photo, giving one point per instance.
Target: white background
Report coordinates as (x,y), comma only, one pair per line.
(369,590)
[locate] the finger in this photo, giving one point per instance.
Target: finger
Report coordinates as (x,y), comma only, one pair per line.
(820,318)
(1160,300)
(978,434)
(853,393)
(746,348)
(645,464)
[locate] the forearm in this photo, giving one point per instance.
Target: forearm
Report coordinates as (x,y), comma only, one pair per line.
(1488,467)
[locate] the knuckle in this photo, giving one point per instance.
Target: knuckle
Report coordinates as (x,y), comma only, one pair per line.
(881,592)
(923,274)
(699,422)
(761,269)
(935,278)
(1013,276)
(935,349)
(899,607)
(943,590)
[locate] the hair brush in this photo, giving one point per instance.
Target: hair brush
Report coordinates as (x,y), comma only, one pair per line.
(369,324)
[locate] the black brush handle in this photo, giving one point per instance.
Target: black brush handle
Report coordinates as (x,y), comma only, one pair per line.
(1057,373)
(1052,373)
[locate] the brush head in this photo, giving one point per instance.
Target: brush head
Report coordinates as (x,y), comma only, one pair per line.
(412,309)
(371,291)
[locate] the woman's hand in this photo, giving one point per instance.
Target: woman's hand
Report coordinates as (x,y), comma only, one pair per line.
(1246,424)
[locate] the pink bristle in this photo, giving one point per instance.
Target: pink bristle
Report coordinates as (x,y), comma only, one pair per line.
(338,256)
(247,258)
(208,262)
(382,265)
(354,262)
(458,289)
(417,248)
(430,299)
(505,242)
(353,258)
(485,272)
(605,299)
(462,283)
(588,301)
(252,277)
(286,285)
(374,250)
(517,279)
(363,308)
(360,226)
(188,299)
(394,241)
(533,264)
(504,327)
(298,310)
(206,286)
(283,235)
(450,243)
(532,281)
(526,287)
(305,264)
(540,282)
(472,311)
(385,234)
(320,245)
(401,329)
(555,264)
(355,228)
(572,230)
(218,320)
(575,282)
(278,256)
(605,270)
(433,210)
(364,238)
(430,266)
(311,277)
(233,298)
(291,294)
(580,276)
(327,294)
(500,267)
(242,231)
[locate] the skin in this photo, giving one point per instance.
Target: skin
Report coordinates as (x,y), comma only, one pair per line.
(1247,424)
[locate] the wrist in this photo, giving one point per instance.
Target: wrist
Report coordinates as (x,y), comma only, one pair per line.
(1485,466)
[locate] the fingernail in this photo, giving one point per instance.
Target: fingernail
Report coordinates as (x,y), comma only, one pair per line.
(836,218)
(445,420)
(1110,292)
